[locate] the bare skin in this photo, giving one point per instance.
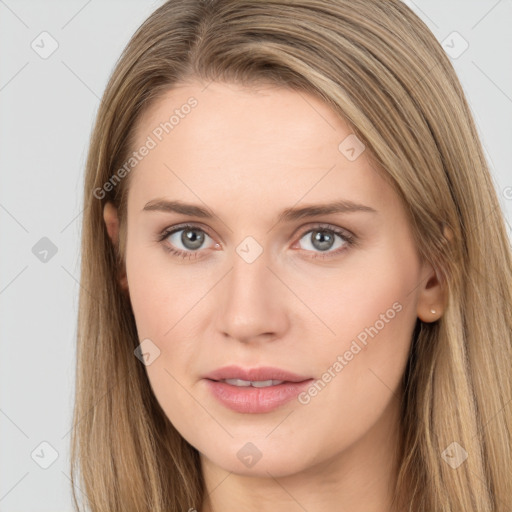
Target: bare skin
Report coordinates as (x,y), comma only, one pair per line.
(247,154)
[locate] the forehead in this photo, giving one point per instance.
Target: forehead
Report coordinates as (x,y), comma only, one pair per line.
(247,143)
(243,113)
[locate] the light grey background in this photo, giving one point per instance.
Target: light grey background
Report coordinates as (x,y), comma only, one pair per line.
(47,108)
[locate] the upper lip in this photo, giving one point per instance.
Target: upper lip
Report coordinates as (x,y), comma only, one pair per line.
(254,374)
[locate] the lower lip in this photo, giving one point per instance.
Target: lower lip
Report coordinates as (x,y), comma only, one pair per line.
(249,399)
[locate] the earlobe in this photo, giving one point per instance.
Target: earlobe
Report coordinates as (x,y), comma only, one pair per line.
(111,221)
(431,299)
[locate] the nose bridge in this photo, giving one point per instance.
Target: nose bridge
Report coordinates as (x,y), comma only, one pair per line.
(252,304)
(250,274)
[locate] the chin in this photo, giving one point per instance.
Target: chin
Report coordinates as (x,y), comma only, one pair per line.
(258,458)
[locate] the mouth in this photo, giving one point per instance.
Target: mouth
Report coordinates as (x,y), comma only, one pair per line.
(255,390)
(263,374)
(254,383)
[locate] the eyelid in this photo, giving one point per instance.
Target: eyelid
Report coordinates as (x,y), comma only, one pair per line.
(179,227)
(193,225)
(349,237)
(343,232)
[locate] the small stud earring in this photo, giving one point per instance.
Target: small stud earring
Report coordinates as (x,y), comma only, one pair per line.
(433,311)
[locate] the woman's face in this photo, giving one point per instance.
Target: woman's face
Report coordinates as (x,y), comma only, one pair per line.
(312,312)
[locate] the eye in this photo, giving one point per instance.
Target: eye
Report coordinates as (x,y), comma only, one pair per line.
(185,241)
(328,240)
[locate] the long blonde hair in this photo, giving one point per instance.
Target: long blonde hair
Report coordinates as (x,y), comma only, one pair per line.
(378,65)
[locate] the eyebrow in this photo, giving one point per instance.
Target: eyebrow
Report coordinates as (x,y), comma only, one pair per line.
(287,215)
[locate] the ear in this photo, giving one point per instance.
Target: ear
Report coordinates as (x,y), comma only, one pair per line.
(111,221)
(431,297)
(112,224)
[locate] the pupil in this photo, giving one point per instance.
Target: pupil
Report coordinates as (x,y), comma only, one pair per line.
(192,239)
(322,240)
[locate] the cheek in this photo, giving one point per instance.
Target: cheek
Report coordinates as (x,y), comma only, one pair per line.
(167,308)
(161,293)
(369,290)
(160,301)
(371,309)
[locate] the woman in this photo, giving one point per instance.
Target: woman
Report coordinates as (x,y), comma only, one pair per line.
(296,279)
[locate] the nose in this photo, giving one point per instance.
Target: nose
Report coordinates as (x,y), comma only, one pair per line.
(253,302)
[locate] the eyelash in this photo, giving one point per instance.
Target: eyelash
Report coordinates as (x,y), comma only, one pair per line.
(348,238)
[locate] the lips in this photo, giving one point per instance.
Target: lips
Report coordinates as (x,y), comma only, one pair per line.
(254,390)
(255,374)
